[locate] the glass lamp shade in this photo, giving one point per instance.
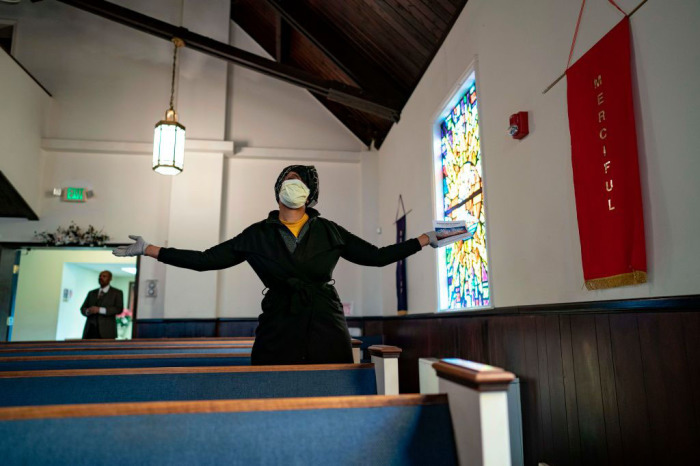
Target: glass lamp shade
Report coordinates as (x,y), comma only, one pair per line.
(169,147)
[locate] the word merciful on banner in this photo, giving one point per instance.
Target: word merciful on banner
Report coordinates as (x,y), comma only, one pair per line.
(605,165)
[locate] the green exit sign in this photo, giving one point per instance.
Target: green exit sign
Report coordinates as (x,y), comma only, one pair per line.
(74,194)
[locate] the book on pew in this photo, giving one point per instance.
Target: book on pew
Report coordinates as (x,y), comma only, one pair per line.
(448,232)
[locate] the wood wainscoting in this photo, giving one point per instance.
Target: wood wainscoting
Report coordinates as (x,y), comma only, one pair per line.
(195,328)
(221,327)
(601,383)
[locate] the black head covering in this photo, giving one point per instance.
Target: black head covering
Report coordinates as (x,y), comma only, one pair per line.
(308,175)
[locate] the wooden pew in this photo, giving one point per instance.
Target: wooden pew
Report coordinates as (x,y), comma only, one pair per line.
(387,375)
(93,347)
(9,355)
(122,344)
(114,361)
(189,341)
(468,426)
(399,429)
(41,387)
(178,384)
(32,388)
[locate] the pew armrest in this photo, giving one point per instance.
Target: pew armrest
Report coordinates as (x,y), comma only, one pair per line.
(474,375)
(386,365)
(385,351)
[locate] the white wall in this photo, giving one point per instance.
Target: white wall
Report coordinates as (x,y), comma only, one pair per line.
(533,238)
(195,213)
(111,85)
(372,277)
(23,105)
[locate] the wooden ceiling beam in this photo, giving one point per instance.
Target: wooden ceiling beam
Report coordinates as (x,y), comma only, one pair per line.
(332,90)
(282,37)
(344,53)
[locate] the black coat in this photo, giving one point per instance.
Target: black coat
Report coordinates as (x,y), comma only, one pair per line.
(113,302)
(302,320)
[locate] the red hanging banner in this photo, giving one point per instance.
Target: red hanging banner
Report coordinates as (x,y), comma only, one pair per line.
(605,165)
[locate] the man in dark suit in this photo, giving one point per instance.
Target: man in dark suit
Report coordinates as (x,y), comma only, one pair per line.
(100,307)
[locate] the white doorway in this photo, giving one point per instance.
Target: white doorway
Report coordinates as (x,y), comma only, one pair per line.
(52,285)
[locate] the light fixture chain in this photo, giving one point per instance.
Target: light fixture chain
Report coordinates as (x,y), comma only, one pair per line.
(172,83)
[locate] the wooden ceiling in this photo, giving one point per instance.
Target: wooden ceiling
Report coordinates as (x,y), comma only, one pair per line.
(382,47)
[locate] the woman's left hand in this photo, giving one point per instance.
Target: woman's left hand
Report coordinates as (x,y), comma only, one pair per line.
(428,238)
(424,240)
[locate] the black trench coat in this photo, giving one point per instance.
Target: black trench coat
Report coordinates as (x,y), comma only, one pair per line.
(302,319)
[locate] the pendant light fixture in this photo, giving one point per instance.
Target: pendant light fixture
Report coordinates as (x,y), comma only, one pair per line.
(169,135)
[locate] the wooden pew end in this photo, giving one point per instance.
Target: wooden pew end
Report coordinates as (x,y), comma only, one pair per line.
(478,402)
(356,351)
(386,364)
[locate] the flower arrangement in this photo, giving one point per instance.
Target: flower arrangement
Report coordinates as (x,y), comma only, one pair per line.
(73,236)
(124,318)
(124,324)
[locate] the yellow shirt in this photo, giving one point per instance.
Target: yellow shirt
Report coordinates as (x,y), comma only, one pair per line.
(295,227)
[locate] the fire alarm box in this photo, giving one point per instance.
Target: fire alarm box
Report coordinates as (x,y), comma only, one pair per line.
(519,127)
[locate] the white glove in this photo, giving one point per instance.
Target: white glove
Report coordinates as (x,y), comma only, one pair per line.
(136,249)
(433,238)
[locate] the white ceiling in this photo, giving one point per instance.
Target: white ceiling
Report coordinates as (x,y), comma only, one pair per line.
(116,269)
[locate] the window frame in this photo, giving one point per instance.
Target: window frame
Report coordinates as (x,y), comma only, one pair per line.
(448,103)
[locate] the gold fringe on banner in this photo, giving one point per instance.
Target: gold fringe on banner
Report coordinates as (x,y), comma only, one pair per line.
(402,313)
(625,279)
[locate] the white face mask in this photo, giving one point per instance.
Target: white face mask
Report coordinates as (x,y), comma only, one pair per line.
(293,193)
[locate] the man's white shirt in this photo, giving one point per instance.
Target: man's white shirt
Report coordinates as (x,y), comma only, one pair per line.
(104,290)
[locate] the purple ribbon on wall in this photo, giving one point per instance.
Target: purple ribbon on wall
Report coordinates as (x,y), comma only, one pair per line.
(401,284)
(401,292)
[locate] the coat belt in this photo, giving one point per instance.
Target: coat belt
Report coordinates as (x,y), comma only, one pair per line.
(302,293)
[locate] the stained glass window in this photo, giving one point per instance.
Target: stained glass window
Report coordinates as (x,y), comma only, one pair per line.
(463,266)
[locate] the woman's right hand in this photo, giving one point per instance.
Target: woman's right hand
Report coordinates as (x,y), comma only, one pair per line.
(136,249)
